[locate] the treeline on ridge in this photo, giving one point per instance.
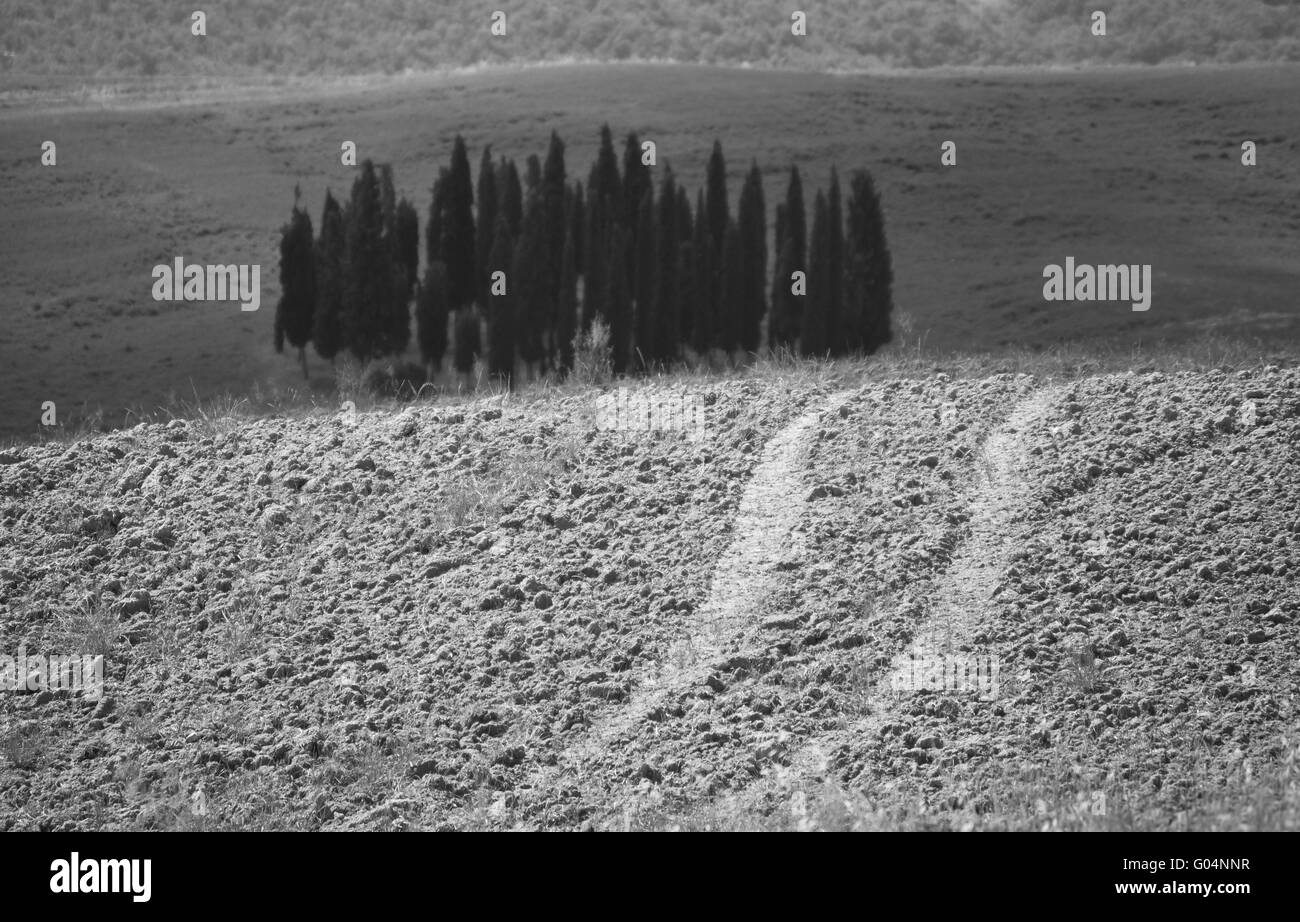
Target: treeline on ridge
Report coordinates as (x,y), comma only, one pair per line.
(518,268)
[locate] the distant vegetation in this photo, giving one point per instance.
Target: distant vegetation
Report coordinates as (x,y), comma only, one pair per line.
(114,38)
(542,264)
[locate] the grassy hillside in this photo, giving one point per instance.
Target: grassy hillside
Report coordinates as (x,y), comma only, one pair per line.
(114,38)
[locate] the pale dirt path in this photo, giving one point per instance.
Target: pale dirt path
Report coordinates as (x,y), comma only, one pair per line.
(744,577)
(961,601)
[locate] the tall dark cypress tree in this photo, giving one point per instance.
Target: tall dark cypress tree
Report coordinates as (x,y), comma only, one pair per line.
(368,270)
(567,297)
(715,199)
(778,246)
(869,269)
(554,186)
(501,315)
(437,211)
(645,258)
(406,245)
(836,327)
(578,227)
(665,288)
(293,314)
(530,286)
(458,228)
(487,223)
(685,235)
(787,308)
(752,219)
(704,307)
(604,180)
(618,301)
(532,175)
(387,198)
(595,284)
(325,334)
(812,340)
(431,307)
(731,290)
(512,196)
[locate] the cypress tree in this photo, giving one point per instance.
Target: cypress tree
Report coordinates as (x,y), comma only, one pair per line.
(293,314)
(554,187)
(487,223)
(512,196)
(618,302)
(719,214)
(596,280)
(703,309)
(567,299)
(387,199)
(753,250)
(437,208)
(775,318)
(577,227)
(458,228)
(325,333)
(532,175)
(836,328)
(869,271)
(787,308)
(687,278)
(667,324)
(646,255)
(431,316)
(813,333)
(685,235)
(501,315)
(604,180)
(530,286)
(406,245)
(368,270)
(732,290)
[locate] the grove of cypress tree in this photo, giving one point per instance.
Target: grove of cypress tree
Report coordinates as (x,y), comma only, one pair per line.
(431,308)
(836,327)
(812,340)
(293,313)
(667,332)
(645,258)
(326,334)
(869,269)
(715,198)
(458,228)
(501,314)
(752,219)
(487,222)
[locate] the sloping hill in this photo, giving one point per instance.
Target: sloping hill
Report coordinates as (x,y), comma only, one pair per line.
(491,614)
(114,38)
